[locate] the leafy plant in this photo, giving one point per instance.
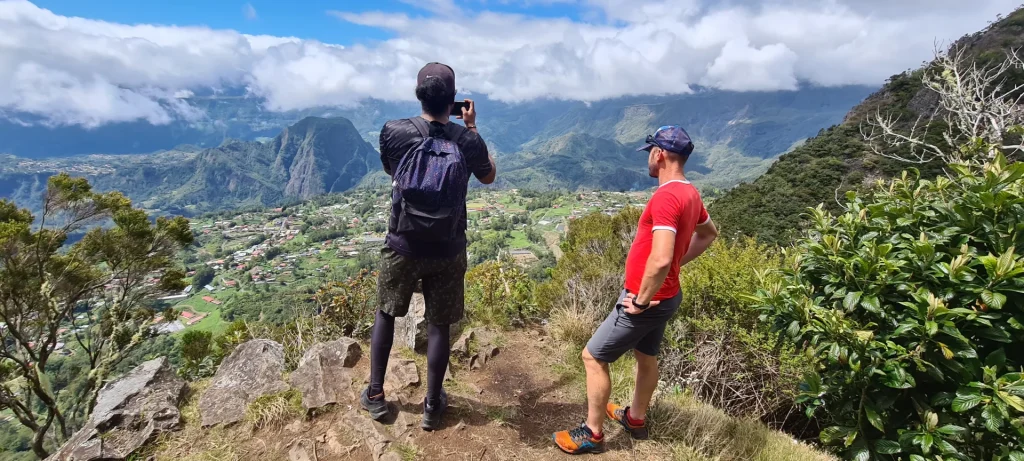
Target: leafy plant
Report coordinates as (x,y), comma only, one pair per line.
(350,304)
(717,348)
(910,305)
(500,293)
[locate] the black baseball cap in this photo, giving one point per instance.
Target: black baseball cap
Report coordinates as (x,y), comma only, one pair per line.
(440,71)
(671,138)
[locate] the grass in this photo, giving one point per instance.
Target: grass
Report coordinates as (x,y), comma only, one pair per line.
(690,430)
(193,443)
(519,240)
(212,323)
(503,416)
(273,411)
(406,452)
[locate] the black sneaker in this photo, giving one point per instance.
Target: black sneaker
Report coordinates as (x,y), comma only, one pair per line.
(432,413)
(377,405)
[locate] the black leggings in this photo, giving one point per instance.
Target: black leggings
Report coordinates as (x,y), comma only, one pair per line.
(438,352)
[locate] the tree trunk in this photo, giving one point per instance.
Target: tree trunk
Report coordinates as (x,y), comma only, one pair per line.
(40,437)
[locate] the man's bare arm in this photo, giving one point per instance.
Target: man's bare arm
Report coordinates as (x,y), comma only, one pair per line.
(702,238)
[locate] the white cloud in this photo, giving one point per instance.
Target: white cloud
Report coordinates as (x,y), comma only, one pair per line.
(249,12)
(79,71)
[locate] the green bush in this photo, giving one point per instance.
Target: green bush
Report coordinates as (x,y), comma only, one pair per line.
(197,359)
(349,305)
(717,348)
(500,293)
(910,303)
(588,278)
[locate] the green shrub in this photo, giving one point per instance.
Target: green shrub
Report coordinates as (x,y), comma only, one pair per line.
(716,347)
(587,280)
(500,293)
(349,305)
(197,360)
(910,302)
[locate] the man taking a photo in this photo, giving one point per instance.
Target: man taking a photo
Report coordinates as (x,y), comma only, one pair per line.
(674,229)
(429,160)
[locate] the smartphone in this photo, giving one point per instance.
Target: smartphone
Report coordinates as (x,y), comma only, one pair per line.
(457,109)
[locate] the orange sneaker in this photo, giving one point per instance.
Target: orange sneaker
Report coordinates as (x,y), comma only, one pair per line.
(578,441)
(618,414)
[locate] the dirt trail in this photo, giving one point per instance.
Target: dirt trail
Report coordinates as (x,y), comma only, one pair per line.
(506,410)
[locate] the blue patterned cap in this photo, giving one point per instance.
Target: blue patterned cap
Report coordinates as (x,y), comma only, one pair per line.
(671,138)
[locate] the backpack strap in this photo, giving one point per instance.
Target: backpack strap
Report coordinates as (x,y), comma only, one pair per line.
(421,126)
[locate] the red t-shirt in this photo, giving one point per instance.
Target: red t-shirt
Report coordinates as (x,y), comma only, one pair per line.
(675,206)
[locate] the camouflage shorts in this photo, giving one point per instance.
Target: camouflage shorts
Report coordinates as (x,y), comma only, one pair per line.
(443,285)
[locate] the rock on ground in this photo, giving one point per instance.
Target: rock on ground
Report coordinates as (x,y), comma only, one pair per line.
(324,373)
(461,346)
(402,374)
(253,370)
(129,412)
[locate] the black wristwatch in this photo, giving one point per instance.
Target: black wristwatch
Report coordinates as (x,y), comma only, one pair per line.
(642,307)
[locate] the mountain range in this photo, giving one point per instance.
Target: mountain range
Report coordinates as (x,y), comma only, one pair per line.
(240,154)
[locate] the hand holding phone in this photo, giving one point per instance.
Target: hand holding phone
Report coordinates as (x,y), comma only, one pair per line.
(465,110)
(457,109)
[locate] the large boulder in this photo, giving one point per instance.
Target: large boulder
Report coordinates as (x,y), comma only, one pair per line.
(129,412)
(324,373)
(253,370)
(411,330)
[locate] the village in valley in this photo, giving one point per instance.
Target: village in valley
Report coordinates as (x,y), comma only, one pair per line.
(246,261)
(299,247)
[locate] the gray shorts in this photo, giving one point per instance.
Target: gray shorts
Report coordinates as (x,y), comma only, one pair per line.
(622,332)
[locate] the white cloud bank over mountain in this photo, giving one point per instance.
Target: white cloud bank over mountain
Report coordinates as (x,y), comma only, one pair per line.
(69,70)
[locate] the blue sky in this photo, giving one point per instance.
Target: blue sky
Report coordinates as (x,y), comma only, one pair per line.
(307,19)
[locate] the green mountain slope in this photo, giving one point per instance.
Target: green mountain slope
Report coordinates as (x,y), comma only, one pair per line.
(312,157)
(772,207)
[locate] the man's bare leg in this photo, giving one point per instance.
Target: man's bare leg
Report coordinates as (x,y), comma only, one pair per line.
(599,389)
(646,383)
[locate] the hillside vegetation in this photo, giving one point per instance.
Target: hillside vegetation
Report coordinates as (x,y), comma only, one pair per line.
(773,207)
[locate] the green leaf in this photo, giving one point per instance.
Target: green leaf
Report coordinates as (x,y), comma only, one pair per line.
(964,402)
(944,446)
(991,263)
(871,304)
(951,430)
(932,327)
(898,378)
(942,399)
(904,328)
(1006,263)
(887,447)
(1012,400)
(851,300)
(860,453)
(1016,456)
(794,329)
(993,419)
(917,458)
(873,417)
(832,434)
(993,300)
(996,359)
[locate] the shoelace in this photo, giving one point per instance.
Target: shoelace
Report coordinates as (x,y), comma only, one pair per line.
(580,433)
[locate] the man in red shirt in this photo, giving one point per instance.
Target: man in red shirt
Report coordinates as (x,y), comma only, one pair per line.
(674,229)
